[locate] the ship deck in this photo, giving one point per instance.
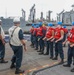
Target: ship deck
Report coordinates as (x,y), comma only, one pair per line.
(34,64)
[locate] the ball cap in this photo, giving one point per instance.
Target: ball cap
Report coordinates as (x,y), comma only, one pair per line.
(59,23)
(50,24)
(32,25)
(64,26)
(40,23)
(16,20)
(72,23)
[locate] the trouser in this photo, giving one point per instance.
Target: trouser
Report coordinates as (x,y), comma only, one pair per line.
(59,50)
(32,41)
(49,48)
(2,50)
(36,42)
(41,44)
(70,54)
(17,57)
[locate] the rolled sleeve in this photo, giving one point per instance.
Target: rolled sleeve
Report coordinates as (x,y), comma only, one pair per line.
(21,35)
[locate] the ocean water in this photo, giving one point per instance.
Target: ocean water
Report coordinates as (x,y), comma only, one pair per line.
(26,37)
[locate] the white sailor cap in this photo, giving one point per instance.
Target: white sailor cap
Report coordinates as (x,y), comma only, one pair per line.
(16,20)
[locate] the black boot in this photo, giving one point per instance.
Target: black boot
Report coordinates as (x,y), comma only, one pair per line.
(12,66)
(41,53)
(46,54)
(61,62)
(51,57)
(67,65)
(36,48)
(72,70)
(55,58)
(18,71)
(3,61)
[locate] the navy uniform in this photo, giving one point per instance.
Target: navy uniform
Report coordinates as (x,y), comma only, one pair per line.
(36,36)
(41,34)
(49,36)
(59,34)
(16,43)
(2,45)
(31,31)
(70,38)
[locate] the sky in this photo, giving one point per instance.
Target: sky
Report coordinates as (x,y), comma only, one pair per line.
(13,7)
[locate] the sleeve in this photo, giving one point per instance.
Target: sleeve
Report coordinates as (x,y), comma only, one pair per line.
(21,35)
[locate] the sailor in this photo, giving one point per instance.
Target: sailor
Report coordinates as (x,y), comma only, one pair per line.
(16,43)
(36,36)
(2,44)
(41,35)
(59,34)
(49,36)
(65,33)
(70,40)
(31,31)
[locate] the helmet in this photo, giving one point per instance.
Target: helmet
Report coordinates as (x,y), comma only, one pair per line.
(32,25)
(59,23)
(40,24)
(72,23)
(16,20)
(50,24)
(64,26)
(37,25)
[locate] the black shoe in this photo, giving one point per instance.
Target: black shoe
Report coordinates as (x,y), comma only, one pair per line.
(51,57)
(72,70)
(3,61)
(66,65)
(55,58)
(18,71)
(61,62)
(36,49)
(12,66)
(73,63)
(41,53)
(46,54)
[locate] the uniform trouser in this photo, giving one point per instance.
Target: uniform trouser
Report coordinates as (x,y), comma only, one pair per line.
(36,42)
(2,50)
(59,50)
(50,48)
(41,44)
(17,57)
(32,39)
(70,54)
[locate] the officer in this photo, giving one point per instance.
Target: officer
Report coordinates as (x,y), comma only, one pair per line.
(70,39)
(41,35)
(2,45)
(65,33)
(16,43)
(59,34)
(31,31)
(49,36)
